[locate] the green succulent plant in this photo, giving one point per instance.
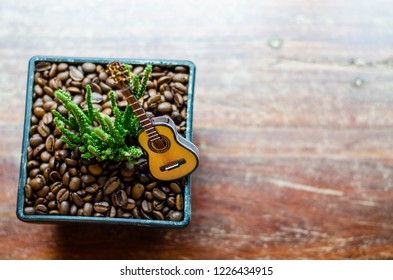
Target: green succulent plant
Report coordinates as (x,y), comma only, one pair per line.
(97,135)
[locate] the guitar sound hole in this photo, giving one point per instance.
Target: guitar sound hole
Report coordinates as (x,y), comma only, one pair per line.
(161,145)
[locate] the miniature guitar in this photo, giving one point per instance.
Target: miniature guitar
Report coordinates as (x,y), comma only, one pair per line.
(170,156)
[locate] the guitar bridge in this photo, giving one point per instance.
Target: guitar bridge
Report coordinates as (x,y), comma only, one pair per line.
(173,165)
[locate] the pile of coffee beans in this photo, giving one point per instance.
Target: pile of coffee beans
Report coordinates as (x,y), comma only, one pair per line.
(60,182)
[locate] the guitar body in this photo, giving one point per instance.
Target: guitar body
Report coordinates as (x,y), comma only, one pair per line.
(176,159)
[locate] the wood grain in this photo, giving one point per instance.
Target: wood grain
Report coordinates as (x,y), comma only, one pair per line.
(292,117)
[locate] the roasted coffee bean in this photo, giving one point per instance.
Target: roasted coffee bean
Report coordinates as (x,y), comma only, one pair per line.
(111,185)
(151,186)
(28,191)
(89,67)
(175,216)
(179,202)
(38,182)
(101,206)
(47,118)
(49,106)
(159,194)
(111,212)
(50,196)
(62,195)
(168,95)
(182,88)
(165,189)
(64,208)
(66,179)
(104,87)
(137,191)
(32,164)
(87,209)
(36,140)
(136,213)
(41,209)
(93,188)
(75,183)
(77,199)
(52,204)
(130,204)
(34,172)
(39,112)
(127,169)
(54,212)
(147,206)
(149,195)
(43,192)
(157,214)
(62,66)
(50,144)
(45,156)
(171,201)
(38,150)
(158,205)
(120,198)
(96,98)
(88,197)
(164,80)
(73,210)
(29,210)
(75,74)
(181,78)
(71,162)
(164,107)
(53,70)
(181,69)
(42,66)
(56,187)
(88,179)
(49,91)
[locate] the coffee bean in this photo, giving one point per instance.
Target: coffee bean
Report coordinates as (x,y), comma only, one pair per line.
(56,83)
(42,66)
(49,91)
(137,191)
(120,198)
(50,144)
(35,140)
(75,74)
(151,186)
(104,87)
(62,195)
(182,88)
(45,156)
(102,76)
(75,183)
(181,69)
(37,151)
(64,208)
(88,67)
(158,194)
(158,205)
(41,209)
(127,169)
(158,215)
(43,192)
(39,112)
(62,67)
(168,95)
(87,209)
(77,199)
(149,195)
(130,204)
(164,107)
(56,187)
(47,118)
(28,191)
(29,210)
(73,210)
(71,162)
(175,216)
(179,202)
(66,179)
(147,206)
(32,164)
(88,179)
(101,207)
(164,80)
(181,78)
(170,201)
(111,185)
(38,182)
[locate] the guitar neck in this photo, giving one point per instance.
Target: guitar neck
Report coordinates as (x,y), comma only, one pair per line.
(141,115)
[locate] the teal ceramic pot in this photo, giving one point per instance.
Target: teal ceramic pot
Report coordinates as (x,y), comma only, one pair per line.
(47,218)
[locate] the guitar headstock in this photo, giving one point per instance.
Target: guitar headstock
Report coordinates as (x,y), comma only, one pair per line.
(118,73)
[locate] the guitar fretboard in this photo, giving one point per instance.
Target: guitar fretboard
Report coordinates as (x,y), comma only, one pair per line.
(140,113)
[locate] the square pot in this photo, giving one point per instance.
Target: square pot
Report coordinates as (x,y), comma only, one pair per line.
(30,199)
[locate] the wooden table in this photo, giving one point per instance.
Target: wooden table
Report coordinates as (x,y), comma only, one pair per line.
(293,117)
